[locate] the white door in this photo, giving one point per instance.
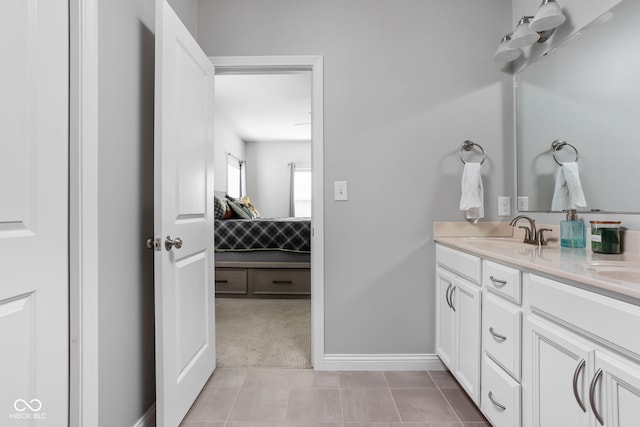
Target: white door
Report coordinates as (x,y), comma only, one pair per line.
(33,213)
(184,294)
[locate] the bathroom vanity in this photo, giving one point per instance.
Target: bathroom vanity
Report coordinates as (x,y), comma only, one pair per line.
(540,336)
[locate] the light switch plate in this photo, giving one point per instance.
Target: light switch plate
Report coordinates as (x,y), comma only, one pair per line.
(340,190)
(504,206)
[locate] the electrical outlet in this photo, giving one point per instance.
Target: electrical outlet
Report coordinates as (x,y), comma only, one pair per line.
(504,206)
(523,204)
(340,190)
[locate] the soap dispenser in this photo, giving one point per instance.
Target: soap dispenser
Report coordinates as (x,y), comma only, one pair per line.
(572,231)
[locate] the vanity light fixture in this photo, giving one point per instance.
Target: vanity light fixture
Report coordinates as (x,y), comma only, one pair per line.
(523,36)
(530,29)
(506,53)
(548,17)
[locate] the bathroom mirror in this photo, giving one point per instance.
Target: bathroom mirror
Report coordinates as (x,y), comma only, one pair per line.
(586,91)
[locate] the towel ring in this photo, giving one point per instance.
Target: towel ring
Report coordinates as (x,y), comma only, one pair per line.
(557,146)
(468,146)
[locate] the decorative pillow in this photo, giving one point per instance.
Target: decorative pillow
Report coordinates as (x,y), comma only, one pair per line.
(252,209)
(239,209)
(221,209)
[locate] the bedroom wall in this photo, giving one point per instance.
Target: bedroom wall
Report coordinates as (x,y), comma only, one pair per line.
(268,174)
(405,82)
(226,140)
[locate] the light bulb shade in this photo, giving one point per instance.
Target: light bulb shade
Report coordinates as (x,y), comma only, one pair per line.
(548,17)
(506,53)
(523,35)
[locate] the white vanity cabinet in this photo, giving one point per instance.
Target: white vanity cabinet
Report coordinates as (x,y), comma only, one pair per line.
(581,358)
(458,306)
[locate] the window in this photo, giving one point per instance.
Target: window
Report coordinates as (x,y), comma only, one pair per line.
(235,176)
(301,191)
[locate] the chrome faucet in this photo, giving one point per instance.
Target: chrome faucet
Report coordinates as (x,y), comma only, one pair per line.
(531,235)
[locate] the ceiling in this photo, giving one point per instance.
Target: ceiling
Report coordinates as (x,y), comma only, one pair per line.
(266,107)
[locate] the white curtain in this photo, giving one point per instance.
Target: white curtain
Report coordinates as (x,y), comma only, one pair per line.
(300,191)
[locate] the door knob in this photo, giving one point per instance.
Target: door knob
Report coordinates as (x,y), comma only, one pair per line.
(170,243)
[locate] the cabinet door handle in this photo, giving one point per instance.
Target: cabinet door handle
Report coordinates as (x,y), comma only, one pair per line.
(576,394)
(592,396)
(222,281)
(497,282)
(282,282)
(446,296)
(498,405)
(497,335)
(451,298)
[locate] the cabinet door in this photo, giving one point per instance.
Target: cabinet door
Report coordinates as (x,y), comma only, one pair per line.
(444,315)
(555,378)
(466,301)
(616,392)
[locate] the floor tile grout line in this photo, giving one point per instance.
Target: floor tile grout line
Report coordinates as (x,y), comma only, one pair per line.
(340,402)
(235,400)
(393,399)
(447,400)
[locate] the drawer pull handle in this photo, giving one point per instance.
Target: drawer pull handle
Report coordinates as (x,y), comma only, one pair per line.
(222,281)
(451,298)
(576,394)
(497,282)
(446,297)
(498,405)
(282,282)
(592,396)
(497,335)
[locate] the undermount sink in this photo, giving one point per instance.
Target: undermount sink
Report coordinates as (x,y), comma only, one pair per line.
(483,241)
(505,242)
(617,270)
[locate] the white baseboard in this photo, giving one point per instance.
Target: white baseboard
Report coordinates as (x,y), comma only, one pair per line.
(148,419)
(382,362)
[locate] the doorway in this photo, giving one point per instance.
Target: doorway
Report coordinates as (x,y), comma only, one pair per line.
(312,66)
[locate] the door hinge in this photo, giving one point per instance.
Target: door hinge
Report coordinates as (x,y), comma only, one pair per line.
(154,243)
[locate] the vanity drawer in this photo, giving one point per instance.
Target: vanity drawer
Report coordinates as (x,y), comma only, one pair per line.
(282,282)
(231,281)
(603,317)
(501,333)
(460,263)
(502,280)
(500,401)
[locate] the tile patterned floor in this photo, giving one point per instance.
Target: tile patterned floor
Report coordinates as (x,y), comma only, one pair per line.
(239,397)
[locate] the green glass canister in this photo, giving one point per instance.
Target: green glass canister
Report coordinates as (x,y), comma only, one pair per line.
(605,237)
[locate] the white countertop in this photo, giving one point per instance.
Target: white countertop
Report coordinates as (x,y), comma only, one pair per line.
(564,263)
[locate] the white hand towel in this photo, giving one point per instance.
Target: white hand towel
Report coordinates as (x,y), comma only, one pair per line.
(472,199)
(568,192)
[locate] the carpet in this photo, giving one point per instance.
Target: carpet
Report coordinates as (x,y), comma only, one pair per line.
(269,333)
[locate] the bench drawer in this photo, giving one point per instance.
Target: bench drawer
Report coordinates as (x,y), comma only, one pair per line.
(282,282)
(230,281)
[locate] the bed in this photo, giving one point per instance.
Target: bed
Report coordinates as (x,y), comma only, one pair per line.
(263,257)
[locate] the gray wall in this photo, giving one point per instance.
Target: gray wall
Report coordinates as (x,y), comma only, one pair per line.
(405,82)
(187,10)
(269,174)
(126,315)
(225,140)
